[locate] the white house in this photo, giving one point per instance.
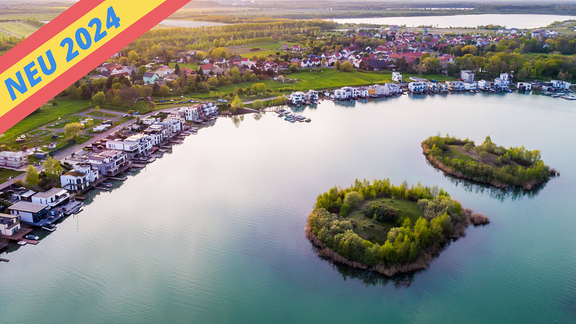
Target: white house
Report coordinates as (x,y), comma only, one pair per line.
(467,76)
(297,98)
(9,224)
(417,87)
(189,113)
(80,178)
(108,162)
(455,85)
(504,79)
(432,86)
(134,146)
(340,94)
(157,133)
(52,197)
(163,71)
(524,86)
(13,159)
(393,88)
(28,212)
(471,86)
(396,77)
(560,85)
(362,92)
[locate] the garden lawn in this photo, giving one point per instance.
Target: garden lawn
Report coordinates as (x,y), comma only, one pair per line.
(377,232)
(191,66)
(7,173)
(264,53)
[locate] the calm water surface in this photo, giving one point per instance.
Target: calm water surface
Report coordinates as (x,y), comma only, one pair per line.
(516,21)
(214,232)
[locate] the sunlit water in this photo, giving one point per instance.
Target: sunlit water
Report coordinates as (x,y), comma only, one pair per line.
(214,231)
(510,21)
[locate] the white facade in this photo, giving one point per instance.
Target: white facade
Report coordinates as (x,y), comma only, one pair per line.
(396,77)
(470,86)
(108,162)
(467,76)
(432,86)
(190,113)
(9,224)
(297,98)
(135,145)
(51,198)
(362,92)
(28,212)
(80,178)
(561,85)
(13,159)
(524,86)
(417,87)
(455,85)
(393,88)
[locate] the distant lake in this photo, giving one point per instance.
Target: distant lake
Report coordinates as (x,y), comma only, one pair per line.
(516,21)
(188,24)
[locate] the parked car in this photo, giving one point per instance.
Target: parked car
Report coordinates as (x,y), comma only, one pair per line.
(32,237)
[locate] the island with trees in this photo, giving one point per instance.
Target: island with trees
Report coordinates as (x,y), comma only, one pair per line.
(487,163)
(389,229)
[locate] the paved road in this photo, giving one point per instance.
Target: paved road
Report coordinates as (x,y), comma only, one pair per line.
(74,149)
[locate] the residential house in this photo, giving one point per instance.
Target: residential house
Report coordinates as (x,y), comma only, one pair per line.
(206,68)
(467,76)
(245,61)
(396,77)
(109,162)
(134,146)
(164,70)
(524,86)
(80,178)
(29,212)
(157,134)
(455,85)
(52,198)
(9,224)
(14,160)
(561,85)
(150,77)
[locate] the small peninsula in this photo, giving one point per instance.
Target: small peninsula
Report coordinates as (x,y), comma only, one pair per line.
(487,163)
(386,228)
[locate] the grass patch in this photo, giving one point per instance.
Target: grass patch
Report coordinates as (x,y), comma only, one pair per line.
(191,66)
(378,231)
(264,53)
(7,173)
(18,28)
(102,114)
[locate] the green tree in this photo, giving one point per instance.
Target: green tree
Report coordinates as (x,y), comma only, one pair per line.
(133,56)
(142,70)
(99,98)
(72,130)
(237,103)
(338,64)
(257,104)
(32,177)
(52,168)
(353,199)
(164,91)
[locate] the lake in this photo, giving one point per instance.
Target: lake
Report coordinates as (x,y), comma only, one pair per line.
(188,23)
(516,21)
(214,231)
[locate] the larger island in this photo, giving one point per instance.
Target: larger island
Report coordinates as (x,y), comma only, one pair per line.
(389,229)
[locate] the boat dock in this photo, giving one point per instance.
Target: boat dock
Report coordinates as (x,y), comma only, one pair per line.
(18,235)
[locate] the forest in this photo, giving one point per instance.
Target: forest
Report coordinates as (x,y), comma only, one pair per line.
(407,236)
(487,163)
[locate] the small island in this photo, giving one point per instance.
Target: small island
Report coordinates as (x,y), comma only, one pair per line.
(487,163)
(386,228)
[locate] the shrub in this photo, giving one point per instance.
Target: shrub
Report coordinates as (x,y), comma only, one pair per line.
(353,199)
(345,210)
(381,213)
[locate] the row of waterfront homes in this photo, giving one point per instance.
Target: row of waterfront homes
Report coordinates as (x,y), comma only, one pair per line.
(106,158)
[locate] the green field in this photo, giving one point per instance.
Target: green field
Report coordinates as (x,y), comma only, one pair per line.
(20,29)
(48,114)
(264,53)
(7,173)
(191,66)
(378,231)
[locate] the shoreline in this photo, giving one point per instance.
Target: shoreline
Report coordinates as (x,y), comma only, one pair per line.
(440,166)
(423,260)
